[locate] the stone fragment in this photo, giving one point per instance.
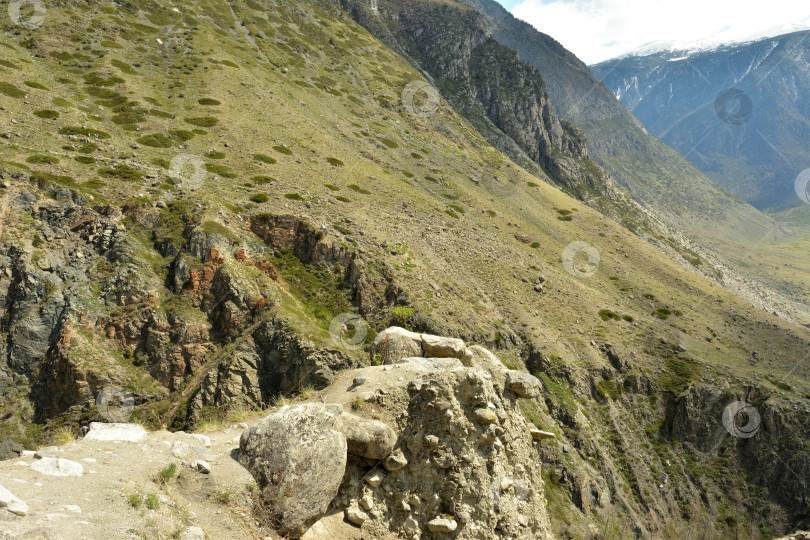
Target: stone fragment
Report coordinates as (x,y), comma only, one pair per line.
(442,525)
(366,438)
(395,343)
(484,416)
(192,533)
(14,505)
(539,435)
(355,515)
(57,467)
(374,479)
(201,466)
(100,431)
(523,384)
(395,461)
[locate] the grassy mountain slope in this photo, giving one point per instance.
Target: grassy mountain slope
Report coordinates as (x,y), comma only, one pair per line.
(296,111)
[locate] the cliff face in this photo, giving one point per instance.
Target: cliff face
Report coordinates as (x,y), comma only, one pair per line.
(506,99)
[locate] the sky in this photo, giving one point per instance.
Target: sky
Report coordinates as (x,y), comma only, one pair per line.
(598,30)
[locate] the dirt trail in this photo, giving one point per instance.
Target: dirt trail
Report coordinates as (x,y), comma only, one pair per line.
(109,500)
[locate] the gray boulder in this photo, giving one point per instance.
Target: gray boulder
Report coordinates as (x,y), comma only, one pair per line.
(523,384)
(444,347)
(366,438)
(298,459)
(395,343)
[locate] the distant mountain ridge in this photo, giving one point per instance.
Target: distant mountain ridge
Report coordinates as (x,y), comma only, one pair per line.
(677,96)
(656,175)
(711,43)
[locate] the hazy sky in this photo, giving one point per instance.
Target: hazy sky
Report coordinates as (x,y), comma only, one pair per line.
(597,30)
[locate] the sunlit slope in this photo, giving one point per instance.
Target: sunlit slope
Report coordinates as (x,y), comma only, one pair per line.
(305,107)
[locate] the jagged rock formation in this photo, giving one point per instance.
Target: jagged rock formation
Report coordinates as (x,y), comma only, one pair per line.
(504,98)
(460,457)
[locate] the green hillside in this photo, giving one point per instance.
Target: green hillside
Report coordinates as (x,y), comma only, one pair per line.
(260,174)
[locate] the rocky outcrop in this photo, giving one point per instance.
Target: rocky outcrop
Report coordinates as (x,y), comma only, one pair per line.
(505,99)
(395,343)
(452,469)
(298,459)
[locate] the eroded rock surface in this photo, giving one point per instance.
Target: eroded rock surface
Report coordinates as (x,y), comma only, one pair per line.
(298,459)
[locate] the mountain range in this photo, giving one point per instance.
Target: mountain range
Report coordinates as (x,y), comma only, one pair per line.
(736,111)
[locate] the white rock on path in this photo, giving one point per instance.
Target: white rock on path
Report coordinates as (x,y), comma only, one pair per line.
(205,440)
(99,431)
(12,503)
(192,533)
(181,450)
(57,467)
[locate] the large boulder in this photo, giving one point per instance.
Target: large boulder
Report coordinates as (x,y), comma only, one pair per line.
(298,459)
(444,347)
(523,384)
(395,343)
(366,438)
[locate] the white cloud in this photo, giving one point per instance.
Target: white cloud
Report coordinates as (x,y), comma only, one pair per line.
(597,30)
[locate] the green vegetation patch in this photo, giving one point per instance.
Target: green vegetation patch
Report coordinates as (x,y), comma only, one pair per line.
(121,171)
(358,189)
(679,373)
(608,389)
(156,140)
(39,158)
(259,198)
(320,291)
(34,84)
(87,132)
(10,90)
(264,158)
(202,121)
(46,113)
(208,101)
(283,150)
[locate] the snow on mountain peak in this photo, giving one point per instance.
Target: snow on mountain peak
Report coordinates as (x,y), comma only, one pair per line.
(686,48)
